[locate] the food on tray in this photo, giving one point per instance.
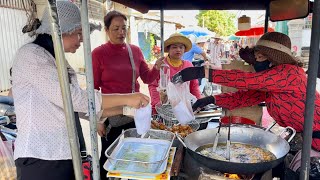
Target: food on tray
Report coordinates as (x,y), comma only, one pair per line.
(239,153)
(182,130)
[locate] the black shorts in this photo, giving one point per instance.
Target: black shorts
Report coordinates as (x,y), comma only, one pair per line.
(38,169)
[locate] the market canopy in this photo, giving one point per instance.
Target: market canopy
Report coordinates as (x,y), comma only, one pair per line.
(197,31)
(145,5)
(233,38)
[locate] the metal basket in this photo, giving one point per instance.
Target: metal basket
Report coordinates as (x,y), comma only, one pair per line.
(166,113)
(168,118)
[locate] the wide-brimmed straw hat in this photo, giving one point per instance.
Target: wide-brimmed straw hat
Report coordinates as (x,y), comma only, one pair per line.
(69,19)
(175,39)
(277,47)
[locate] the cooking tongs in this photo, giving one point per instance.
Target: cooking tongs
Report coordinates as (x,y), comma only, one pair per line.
(228,140)
(216,140)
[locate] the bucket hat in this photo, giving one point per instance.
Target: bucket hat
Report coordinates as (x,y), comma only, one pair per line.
(69,19)
(277,47)
(175,39)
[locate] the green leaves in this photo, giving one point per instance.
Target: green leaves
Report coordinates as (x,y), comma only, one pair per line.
(221,22)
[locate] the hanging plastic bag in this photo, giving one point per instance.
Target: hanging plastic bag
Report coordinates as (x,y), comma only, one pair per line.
(7,166)
(142,119)
(180,99)
(163,83)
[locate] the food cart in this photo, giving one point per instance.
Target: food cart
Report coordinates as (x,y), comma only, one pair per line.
(296,10)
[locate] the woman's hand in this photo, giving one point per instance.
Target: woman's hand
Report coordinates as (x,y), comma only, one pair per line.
(247,54)
(188,74)
(101,129)
(200,103)
(158,63)
(137,100)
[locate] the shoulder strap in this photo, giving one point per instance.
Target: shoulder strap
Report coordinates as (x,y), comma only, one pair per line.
(133,68)
(83,150)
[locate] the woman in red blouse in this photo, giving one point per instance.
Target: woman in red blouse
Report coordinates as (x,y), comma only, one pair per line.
(279,81)
(113,73)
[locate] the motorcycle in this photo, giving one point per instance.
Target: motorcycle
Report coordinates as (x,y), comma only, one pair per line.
(8,128)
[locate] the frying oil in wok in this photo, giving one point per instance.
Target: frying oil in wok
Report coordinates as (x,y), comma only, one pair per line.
(239,153)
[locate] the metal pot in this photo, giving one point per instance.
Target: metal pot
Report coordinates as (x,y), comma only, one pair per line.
(246,134)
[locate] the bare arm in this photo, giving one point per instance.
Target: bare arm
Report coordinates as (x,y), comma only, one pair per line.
(112,111)
(204,55)
(135,100)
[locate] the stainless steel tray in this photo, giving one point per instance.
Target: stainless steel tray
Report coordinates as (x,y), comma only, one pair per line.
(139,155)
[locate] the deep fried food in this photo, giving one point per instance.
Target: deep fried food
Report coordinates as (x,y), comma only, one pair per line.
(182,130)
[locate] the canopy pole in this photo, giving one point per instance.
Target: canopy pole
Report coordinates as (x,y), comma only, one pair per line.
(65,89)
(266,20)
(311,86)
(161,31)
(90,89)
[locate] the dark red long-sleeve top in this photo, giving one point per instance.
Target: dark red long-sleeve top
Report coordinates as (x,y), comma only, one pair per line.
(112,69)
(282,87)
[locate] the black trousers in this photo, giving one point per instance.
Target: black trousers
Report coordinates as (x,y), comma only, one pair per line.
(106,142)
(38,169)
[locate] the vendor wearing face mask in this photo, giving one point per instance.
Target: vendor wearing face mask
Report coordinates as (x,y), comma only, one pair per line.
(279,81)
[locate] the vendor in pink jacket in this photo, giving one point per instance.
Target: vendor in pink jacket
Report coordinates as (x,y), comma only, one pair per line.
(176,45)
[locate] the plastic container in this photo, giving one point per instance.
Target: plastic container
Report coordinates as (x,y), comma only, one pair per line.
(135,154)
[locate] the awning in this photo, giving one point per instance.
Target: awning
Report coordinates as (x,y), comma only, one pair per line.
(145,5)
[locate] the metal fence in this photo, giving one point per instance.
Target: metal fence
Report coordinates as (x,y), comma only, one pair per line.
(12,20)
(16,4)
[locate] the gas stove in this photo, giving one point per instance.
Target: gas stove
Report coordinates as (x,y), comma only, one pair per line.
(197,171)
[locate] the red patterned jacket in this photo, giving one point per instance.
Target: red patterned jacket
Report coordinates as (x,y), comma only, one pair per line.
(282,87)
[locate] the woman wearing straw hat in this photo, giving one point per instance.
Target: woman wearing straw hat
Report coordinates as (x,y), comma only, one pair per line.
(175,46)
(279,81)
(42,149)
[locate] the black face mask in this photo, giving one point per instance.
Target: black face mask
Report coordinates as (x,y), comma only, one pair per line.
(261,66)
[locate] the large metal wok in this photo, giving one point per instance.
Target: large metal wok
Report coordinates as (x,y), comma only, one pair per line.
(246,134)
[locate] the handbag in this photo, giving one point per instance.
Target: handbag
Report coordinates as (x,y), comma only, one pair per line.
(86,159)
(120,120)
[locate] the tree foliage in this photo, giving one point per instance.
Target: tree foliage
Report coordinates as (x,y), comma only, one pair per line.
(220,22)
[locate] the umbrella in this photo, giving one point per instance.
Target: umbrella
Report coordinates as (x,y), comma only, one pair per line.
(255,31)
(197,31)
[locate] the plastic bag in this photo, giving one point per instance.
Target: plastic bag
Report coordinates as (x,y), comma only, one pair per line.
(7,166)
(163,83)
(142,119)
(180,99)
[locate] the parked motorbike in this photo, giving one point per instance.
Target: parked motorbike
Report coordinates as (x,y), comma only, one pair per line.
(8,128)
